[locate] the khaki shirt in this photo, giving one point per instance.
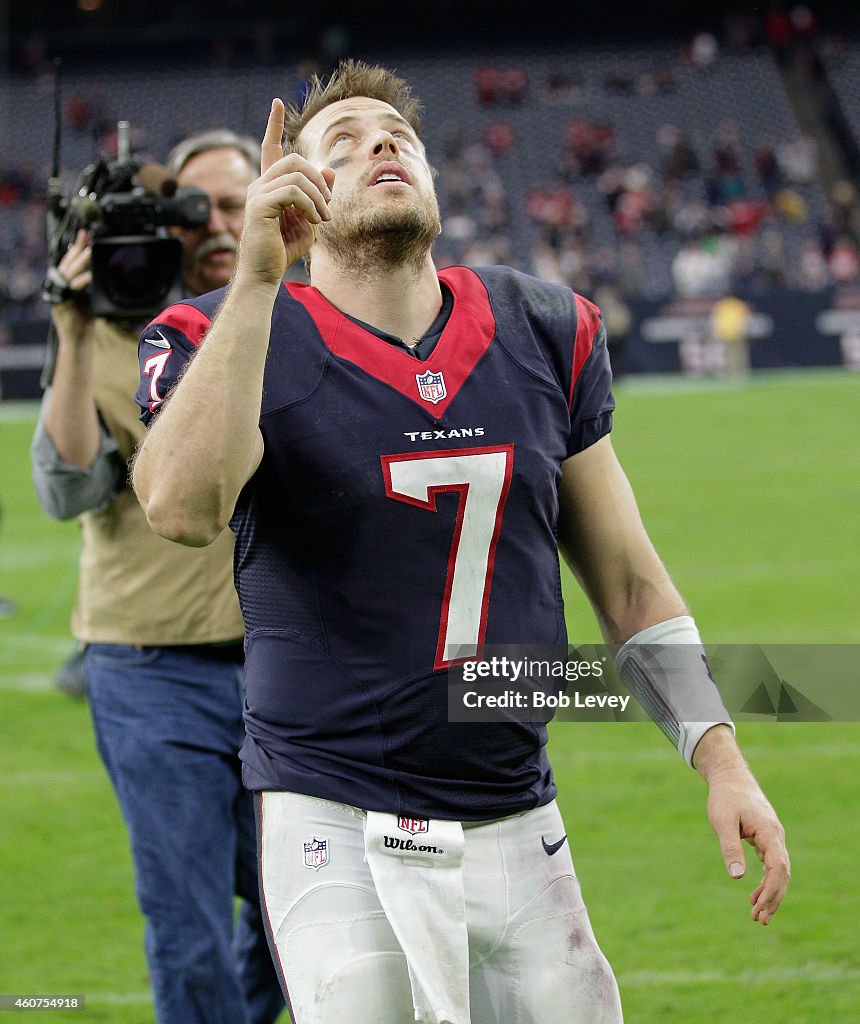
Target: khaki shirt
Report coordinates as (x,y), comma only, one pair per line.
(136,587)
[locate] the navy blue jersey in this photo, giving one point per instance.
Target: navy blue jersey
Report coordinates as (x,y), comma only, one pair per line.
(404,514)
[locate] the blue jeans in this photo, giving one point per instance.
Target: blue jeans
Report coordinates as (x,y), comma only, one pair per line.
(168,725)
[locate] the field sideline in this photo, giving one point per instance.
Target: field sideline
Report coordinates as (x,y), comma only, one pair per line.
(750,492)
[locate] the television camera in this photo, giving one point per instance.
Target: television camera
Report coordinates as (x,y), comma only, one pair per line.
(127,206)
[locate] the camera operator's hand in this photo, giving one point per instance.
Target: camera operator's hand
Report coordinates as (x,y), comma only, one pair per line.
(73,317)
(70,417)
(284,204)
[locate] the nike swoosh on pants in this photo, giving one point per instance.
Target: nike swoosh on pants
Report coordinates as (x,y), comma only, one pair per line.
(552,848)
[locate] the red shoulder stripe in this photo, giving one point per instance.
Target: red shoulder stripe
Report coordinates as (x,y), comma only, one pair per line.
(187,319)
(587,326)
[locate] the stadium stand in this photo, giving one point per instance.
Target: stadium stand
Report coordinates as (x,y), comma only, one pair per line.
(654,170)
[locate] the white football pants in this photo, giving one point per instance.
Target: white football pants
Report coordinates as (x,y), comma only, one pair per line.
(533,958)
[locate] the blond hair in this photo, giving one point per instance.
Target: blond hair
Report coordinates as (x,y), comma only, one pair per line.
(351,78)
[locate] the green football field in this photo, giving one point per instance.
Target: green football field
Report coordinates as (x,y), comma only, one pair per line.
(751,493)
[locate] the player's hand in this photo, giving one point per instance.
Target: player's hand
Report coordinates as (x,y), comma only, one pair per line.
(73,317)
(738,810)
(283,207)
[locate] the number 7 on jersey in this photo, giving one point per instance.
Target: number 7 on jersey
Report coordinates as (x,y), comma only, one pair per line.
(482,477)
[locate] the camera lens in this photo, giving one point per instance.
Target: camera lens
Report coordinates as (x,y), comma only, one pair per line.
(134,274)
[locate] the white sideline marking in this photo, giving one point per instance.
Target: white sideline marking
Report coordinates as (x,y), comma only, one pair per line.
(634,979)
(33,556)
(119,998)
(44,642)
(32,682)
(765,976)
(660,384)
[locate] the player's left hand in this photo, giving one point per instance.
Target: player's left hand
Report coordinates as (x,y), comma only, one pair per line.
(738,810)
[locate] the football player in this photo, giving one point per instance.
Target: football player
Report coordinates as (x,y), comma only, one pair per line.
(401,453)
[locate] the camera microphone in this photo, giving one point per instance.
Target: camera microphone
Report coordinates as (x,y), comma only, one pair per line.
(158,179)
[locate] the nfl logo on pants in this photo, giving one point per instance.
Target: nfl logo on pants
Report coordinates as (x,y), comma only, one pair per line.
(316,853)
(412,825)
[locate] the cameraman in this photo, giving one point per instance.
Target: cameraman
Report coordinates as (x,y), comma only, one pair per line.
(163,635)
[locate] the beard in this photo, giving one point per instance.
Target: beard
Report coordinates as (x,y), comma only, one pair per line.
(362,240)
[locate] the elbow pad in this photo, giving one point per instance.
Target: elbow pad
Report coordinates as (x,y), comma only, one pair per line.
(665,668)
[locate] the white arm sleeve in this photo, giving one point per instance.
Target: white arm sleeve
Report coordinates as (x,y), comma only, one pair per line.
(665,668)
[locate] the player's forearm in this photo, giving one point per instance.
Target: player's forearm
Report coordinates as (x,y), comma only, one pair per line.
(630,588)
(644,597)
(205,443)
(71,419)
(718,753)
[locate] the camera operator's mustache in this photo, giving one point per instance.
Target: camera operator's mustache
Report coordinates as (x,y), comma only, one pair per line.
(217,243)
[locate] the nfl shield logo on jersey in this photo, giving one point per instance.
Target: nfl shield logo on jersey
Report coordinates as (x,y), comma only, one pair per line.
(412,825)
(316,853)
(431,386)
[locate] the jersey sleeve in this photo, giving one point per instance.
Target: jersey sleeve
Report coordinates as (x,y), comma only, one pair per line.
(166,346)
(590,396)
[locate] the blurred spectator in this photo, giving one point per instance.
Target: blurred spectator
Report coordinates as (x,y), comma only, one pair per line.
(770,271)
(791,205)
(88,113)
(798,159)
(840,219)
(564,85)
(703,50)
(458,225)
(618,320)
(768,169)
(812,273)
(778,32)
(678,158)
(635,206)
(499,137)
(743,216)
(656,81)
(500,86)
(726,180)
(844,261)
(546,263)
(494,213)
(591,144)
(843,197)
(489,252)
(632,274)
(687,216)
(741,30)
(702,267)
(730,325)
(553,205)
(648,81)
(803,23)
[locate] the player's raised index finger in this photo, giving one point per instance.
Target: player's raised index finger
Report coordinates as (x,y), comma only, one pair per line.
(272,148)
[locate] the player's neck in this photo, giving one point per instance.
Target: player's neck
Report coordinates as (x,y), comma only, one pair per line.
(403,301)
